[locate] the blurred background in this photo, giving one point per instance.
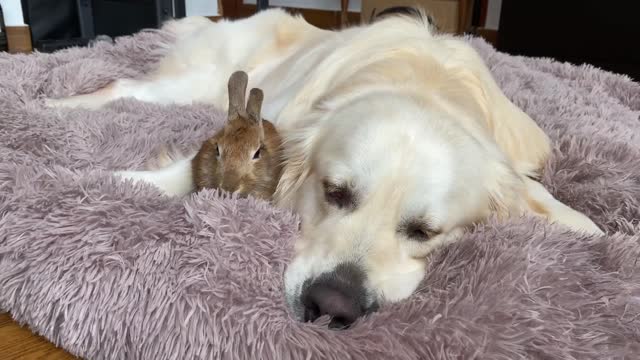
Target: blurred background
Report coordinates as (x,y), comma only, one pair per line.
(603,33)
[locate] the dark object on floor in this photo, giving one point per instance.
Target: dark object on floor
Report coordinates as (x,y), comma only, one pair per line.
(125,17)
(51,20)
(578,32)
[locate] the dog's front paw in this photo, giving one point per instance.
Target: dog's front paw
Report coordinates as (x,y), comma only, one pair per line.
(68,102)
(53,103)
(73,102)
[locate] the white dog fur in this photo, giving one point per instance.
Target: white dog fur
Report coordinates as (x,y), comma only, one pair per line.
(410,122)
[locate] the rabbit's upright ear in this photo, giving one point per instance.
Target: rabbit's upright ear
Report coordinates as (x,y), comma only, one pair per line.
(237,90)
(254,106)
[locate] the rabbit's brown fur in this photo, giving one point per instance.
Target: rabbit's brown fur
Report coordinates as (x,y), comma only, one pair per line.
(244,156)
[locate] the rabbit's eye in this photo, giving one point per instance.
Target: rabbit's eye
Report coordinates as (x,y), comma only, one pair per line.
(256,155)
(218,151)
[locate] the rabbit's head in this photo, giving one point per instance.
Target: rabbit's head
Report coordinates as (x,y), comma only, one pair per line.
(244,156)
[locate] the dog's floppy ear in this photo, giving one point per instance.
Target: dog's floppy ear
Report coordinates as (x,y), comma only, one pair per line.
(297,149)
(519,137)
(512,189)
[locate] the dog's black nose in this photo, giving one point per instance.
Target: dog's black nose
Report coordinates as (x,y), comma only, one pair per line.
(339,294)
(322,299)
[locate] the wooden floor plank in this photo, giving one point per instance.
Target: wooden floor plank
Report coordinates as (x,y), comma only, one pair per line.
(19,343)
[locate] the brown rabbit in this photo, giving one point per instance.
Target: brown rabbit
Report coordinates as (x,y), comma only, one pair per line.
(244,156)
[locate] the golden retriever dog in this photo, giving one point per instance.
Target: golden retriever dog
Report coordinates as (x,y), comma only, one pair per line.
(396,140)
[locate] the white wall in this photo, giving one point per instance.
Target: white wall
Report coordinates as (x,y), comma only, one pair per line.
(12,12)
(493,14)
(201,7)
(210,7)
(492,21)
(334,5)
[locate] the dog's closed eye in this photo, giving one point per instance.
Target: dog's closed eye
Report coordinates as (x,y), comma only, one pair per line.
(340,196)
(417,230)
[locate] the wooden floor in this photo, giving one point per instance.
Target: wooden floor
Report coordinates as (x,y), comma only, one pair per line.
(17,342)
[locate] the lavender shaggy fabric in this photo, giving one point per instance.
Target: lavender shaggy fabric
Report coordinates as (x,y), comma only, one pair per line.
(108,270)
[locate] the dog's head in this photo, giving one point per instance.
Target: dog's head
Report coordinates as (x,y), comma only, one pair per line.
(382,184)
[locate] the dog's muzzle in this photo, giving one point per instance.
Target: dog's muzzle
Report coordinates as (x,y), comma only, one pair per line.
(340,294)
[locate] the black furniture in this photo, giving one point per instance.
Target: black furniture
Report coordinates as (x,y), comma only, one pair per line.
(3,34)
(262,4)
(602,33)
(63,23)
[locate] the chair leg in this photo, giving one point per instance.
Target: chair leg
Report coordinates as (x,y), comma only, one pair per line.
(19,39)
(344,9)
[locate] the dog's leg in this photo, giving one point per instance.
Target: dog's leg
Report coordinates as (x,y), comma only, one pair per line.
(175,180)
(177,79)
(541,202)
(92,100)
(205,54)
(194,85)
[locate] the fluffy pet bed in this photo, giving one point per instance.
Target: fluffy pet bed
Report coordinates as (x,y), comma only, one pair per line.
(105,269)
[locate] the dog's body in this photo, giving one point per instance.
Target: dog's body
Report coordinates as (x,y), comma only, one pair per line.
(395,140)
